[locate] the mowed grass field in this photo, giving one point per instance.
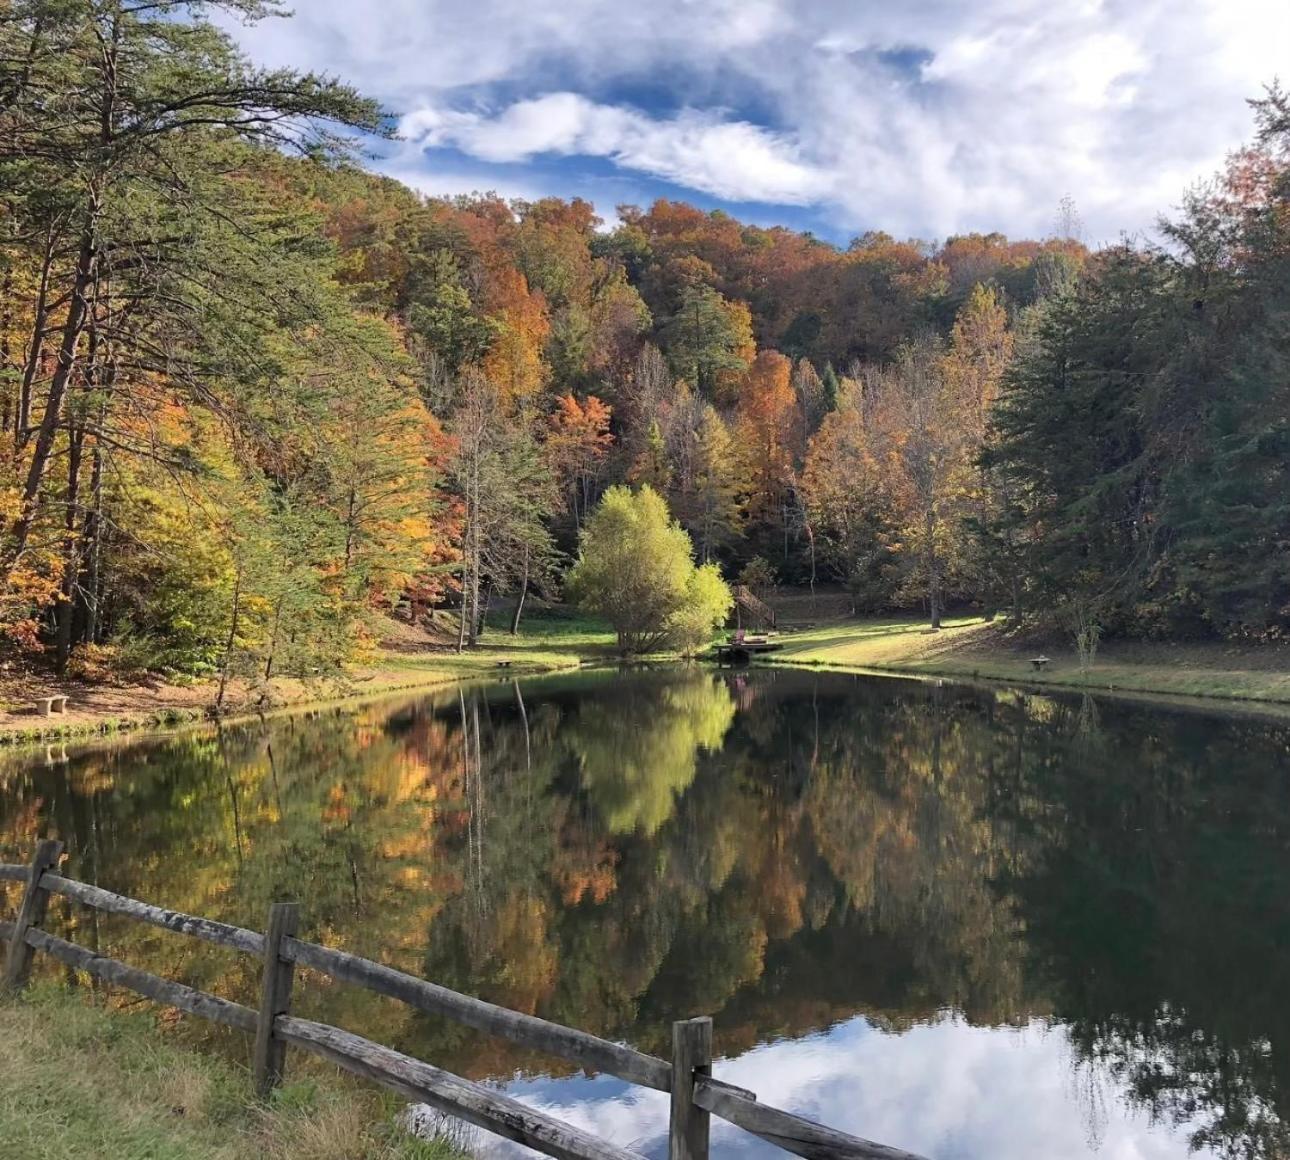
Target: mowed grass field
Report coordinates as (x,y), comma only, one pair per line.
(973,648)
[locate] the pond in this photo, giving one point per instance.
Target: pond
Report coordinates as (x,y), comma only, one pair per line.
(968,922)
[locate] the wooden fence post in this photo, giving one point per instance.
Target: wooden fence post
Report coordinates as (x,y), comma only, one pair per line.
(691,1057)
(31,913)
(275,997)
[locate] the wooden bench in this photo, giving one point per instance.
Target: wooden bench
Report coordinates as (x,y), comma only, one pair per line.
(47,706)
(1039,663)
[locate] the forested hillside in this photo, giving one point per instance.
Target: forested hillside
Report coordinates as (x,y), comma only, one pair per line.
(253,394)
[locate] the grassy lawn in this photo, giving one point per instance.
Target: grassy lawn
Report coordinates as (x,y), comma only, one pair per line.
(861,644)
(548,640)
(969,647)
(76,1080)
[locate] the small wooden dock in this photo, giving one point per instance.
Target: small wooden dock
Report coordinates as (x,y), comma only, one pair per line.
(740,652)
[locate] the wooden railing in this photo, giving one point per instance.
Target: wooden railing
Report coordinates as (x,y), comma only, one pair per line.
(695,1094)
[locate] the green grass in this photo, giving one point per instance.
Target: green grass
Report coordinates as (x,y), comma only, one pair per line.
(548,640)
(969,647)
(868,643)
(78,1080)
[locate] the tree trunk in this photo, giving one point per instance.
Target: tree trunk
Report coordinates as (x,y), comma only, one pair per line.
(524,591)
(350,520)
(6,346)
(933,572)
(11,100)
(71,550)
(476,556)
(232,638)
(472,627)
(469,583)
(31,367)
(466,612)
(94,538)
(79,309)
(68,350)
(273,640)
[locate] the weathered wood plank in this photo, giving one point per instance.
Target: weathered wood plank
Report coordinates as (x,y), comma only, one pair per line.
(790,1132)
(221,933)
(31,913)
(579,1047)
(275,998)
(11,873)
(448,1093)
(706,1082)
(153,987)
(688,1125)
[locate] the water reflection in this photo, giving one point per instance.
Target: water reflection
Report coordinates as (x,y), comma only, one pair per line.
(946,1090)
(967,922)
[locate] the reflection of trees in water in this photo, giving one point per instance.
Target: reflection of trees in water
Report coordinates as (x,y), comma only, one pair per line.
(637,754)
(777,849)
(1157,918)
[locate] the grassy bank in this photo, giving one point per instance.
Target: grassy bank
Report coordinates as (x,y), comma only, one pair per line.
(555,640)
(76,1080)
(972,648)
(410,659)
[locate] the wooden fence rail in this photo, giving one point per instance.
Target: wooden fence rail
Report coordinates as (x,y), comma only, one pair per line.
(695,1094)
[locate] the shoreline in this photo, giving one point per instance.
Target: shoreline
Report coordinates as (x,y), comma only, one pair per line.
(86,723)
(1206,675)
(1186,702)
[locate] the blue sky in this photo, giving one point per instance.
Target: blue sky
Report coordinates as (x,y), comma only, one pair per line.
(924,118)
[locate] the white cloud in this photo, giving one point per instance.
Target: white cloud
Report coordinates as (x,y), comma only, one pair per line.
(728,159)
(1010,104)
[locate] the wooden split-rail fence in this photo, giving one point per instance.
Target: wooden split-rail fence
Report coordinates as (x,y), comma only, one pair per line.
(695,1095)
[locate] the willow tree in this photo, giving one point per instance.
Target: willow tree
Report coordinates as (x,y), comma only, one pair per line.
(636,569)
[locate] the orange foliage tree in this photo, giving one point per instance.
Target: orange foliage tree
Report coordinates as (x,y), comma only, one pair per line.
(578,443)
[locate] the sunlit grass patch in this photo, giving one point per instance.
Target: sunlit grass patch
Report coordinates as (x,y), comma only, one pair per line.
(869,643)
(77,1080)
(970,647)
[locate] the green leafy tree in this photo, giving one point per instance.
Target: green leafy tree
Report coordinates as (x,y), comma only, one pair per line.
(831,387)
(706,604)
(709,340)
(636,570)
(444,317)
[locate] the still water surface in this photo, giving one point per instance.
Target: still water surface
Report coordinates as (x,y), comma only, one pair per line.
(972,923)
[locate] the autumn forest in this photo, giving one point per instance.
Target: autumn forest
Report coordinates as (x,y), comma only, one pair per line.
(254,397)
